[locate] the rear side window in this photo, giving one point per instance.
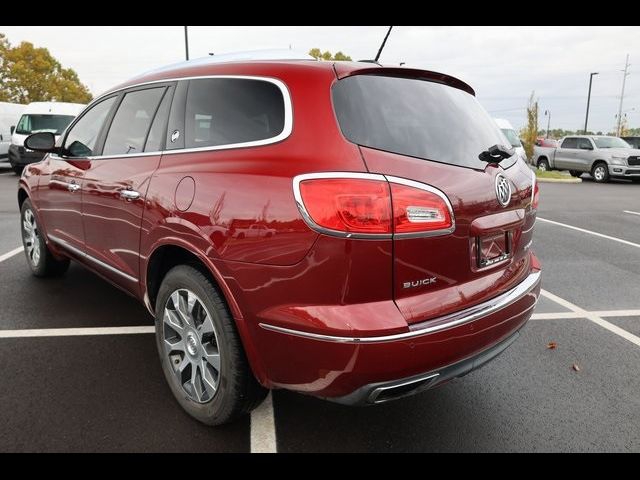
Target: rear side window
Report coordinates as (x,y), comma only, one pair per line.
(415,117)
(228,111)
(131,123)
(570,143)
(83,136)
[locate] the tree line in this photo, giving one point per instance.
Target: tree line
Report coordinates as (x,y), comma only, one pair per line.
(29,74)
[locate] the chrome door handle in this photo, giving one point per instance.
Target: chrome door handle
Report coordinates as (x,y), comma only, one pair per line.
(129,194)
(73,187)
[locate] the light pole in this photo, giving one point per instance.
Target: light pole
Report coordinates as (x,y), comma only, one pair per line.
(586,118)
(186,42)
(547,113)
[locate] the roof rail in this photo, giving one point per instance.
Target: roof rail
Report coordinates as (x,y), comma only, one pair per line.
(252,55)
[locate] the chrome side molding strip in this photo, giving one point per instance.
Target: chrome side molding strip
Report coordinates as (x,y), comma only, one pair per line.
(437,324)
(64,244)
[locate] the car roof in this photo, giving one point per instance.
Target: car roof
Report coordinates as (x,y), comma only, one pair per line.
(55,108)
(257,61)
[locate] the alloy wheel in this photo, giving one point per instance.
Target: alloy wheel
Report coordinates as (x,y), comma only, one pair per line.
(191,345)
(31,237)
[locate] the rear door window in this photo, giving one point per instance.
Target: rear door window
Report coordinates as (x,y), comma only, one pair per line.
(415,117)
(570,143)
(232,111)
(584,144)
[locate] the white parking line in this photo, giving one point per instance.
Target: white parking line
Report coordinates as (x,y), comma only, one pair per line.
(263,428)
(591,316)
(631,213)
(602,235)
(74,332)
(601,313)
(10,254)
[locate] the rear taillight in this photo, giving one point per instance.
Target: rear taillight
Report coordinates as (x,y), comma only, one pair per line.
(416,209)
(536,194)
(349,205)
(371,206)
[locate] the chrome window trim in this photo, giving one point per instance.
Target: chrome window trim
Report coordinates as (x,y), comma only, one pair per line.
(327,231)
(64,244)
(442,323)
(286,130)
(435,191)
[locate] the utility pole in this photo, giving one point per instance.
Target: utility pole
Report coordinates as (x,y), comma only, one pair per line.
(624,79)
(548,113)
(586,118)
(186,42)
(383,44)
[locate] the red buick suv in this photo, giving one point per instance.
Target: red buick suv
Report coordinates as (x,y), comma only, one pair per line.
(344,230)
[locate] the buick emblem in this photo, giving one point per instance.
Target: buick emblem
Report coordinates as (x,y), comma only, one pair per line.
(503,190)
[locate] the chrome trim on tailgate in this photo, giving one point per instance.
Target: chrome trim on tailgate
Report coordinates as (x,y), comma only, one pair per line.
(435,325)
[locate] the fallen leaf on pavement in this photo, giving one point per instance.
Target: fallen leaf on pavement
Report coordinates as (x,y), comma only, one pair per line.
(575,367)
(552,345)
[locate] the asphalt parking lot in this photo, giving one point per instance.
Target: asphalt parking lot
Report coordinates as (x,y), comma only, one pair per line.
(91,392)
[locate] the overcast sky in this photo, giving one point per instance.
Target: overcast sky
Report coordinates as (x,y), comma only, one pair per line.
(503,64)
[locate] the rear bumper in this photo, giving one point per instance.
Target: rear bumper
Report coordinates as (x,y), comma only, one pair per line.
(385,391)
(370,369)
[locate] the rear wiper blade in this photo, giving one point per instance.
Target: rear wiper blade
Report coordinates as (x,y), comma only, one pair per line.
(496,154)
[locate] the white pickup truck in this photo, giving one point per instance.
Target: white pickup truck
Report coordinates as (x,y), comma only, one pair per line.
(601,156)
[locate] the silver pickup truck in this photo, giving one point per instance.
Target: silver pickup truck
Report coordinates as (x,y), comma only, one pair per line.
(603,157)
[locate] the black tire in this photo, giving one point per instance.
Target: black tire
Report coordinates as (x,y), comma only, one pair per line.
(543,164)
(575,173)
(40,259)
(600,172)
(635,180)
(237,392)
(17,169)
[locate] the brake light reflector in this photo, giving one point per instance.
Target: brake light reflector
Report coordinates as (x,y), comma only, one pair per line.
(362,205)
(416,210)
(350,205)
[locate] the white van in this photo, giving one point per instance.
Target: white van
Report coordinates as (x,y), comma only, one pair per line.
(9,116)
(512,136)
(51,117)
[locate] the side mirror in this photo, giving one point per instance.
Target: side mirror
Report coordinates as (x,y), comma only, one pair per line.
(13,129)
(41,142)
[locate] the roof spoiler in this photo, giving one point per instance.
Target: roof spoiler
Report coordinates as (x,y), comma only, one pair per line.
(346,69)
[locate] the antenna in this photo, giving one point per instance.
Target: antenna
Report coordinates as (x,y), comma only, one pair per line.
(383,44)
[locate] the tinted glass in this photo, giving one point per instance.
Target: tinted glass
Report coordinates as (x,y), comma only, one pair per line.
(584,143)
(83,136)
(570,143)
(131,123)
(416,117)
(155,141)
(224,111)
(34,123)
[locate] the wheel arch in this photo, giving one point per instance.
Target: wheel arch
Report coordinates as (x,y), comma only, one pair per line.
(22,195)
(170,254)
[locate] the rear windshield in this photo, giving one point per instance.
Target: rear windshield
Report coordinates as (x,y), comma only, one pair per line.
(34,123)
(417,118)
